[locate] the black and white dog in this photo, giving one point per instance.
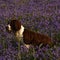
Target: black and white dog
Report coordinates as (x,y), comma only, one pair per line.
(29,37)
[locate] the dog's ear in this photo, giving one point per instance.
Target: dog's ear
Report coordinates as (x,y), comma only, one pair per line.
(15,25)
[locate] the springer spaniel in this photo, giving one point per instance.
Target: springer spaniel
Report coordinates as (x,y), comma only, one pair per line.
(29,37)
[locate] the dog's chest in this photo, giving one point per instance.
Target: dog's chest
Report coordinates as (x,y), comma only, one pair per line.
(19,34)
(19,37)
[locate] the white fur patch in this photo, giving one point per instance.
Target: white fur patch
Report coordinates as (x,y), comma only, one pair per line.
(21,30)
(28,46)
(19,34)
(9,27)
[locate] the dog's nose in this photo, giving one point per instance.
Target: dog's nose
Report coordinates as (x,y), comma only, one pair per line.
(6,28)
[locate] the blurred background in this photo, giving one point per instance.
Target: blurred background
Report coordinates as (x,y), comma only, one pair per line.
(41,16)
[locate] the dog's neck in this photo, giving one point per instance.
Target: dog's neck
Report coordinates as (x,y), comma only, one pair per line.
(19,34)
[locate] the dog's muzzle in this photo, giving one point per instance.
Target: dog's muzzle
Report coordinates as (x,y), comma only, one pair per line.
(8,29)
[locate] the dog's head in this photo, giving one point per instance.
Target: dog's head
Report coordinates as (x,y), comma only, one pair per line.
(13,26)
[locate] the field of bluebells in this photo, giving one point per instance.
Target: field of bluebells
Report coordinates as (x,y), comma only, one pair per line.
(41,16)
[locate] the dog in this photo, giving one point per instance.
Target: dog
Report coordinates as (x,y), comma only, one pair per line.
(29,37)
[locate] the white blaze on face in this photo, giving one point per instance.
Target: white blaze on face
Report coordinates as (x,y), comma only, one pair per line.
(9,27)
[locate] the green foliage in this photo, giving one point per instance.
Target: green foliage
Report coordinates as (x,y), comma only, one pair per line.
(57,36)
(20,17)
